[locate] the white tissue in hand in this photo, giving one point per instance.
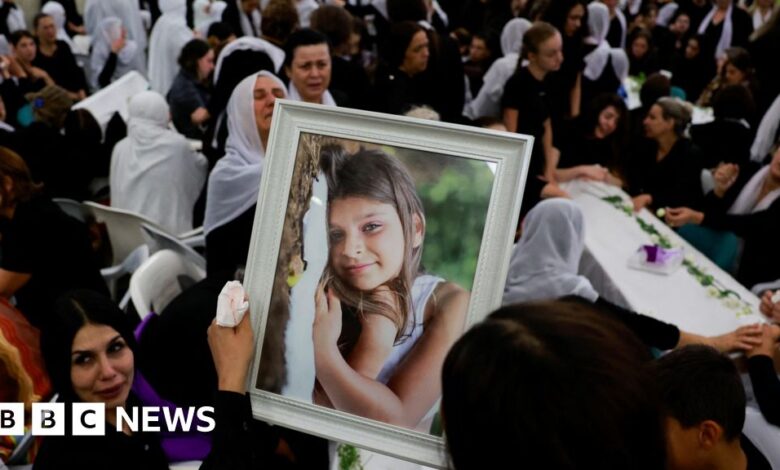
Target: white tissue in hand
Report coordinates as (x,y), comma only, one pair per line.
(776,297)
(231,305)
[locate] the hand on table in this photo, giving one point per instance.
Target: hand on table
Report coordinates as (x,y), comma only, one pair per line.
(770,333)
(743,338)
(679,216)
(769,308)
(594,172)
(231,349)
(641,201)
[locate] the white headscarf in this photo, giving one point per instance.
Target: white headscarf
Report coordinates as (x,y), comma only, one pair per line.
(16,19)
(544,262)
(57,12)
(169,36)
(305,9)
(152,157)
(598,22)
(128,12)
(623,28)
(767,130)
(666,13)
(488,100)
(108,31)
(512,35)
(724,42)
(206,14)
(235,180)
(747,202)
(246,26)
(250,44)
(295,95)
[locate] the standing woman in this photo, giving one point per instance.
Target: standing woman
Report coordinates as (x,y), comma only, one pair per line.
(90,356)
(567,16)
(726,25)
(526,107)
(113,53)
(606,67)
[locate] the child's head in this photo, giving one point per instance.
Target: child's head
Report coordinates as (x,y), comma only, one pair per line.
(704,406)
(376,226)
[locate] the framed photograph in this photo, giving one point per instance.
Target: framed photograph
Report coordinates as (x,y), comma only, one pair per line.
(377,241)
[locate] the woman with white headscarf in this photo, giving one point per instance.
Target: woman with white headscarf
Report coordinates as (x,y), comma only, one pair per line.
(169,36)
(113,54)
(144,163)
(726,25)
(243,16)
(57,12)
(207,13)
(544,266)
(129,13)
(488,100)
(598,77)
(235,180)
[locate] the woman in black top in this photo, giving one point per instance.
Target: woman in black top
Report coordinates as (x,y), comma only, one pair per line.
(749,206)
(692,70)
(665,169)
(55,57)
(526,108)
(642,57)
(45,252)
(190,93)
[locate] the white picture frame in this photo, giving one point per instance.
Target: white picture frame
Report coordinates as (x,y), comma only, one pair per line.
(507,155)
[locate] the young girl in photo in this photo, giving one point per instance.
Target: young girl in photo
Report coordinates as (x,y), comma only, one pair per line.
(382,327)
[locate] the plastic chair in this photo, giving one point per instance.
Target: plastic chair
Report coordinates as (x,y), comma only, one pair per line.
(74,209)
(124,229)
(158,240)
(160,279)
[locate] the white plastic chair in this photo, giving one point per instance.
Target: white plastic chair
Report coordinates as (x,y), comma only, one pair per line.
(159,280)
(124,229)
(74,209)
(158,240)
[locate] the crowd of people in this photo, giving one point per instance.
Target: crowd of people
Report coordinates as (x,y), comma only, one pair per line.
(559,377)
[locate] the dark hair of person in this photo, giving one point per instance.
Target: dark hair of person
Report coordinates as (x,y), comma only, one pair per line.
(488,121)
(733,102)
(618,138)
(656,86)
(220,30)
(557,14)
(278,20)
(462,36)
(334,22)
(300,38)
(17,36)
(73,311)
(740,58)
(535,36)
(400,37)
(550,385)
(191,53)
(37,19)
(640,33)
(697,383)
(13,167)
(406,10)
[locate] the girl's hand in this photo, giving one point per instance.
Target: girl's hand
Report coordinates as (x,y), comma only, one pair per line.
(769,336)
(594,172)
(327,321)
(743,338)
(679,216)
(769,308)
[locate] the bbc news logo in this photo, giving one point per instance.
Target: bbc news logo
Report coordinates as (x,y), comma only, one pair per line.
(89,419)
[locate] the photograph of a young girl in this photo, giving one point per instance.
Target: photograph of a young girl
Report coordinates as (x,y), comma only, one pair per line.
(373,279)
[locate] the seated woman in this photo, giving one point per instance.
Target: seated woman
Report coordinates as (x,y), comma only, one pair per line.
(398,322)
(750,209)
(45,252)
(734,67)
(550,385)
(143,163)
(191,90)
(691,70)
(55,57)
(665,169)
(544,267)
(234,181)
(89,354)
(642,56)
(727,139)
(598,142)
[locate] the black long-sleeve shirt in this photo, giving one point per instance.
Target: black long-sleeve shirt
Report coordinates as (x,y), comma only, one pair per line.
(766,387)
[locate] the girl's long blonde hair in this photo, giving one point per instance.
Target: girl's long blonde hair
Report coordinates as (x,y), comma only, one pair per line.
(375,175)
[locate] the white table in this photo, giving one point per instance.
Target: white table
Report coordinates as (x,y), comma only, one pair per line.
(612,236)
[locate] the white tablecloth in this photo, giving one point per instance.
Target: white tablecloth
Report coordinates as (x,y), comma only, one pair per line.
(612,236)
